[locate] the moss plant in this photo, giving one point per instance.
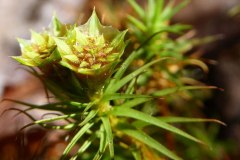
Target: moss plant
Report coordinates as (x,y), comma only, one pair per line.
(100,94)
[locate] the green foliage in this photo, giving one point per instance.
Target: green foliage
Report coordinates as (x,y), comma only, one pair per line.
(99,96)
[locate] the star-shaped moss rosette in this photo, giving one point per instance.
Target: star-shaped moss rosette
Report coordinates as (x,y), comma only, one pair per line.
(91,49)
(41,49)
(38,50)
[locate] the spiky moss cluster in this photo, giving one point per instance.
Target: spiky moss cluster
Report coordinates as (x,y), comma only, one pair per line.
(89,51)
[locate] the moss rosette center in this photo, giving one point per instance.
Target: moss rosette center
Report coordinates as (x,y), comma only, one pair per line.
(91,49)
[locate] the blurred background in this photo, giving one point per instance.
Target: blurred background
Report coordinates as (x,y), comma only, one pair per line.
(208,17)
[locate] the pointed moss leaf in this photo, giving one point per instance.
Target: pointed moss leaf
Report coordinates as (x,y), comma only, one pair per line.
(24,61)
(118,41)
(56,118)
(177,8)
(141,124)
(37,60)
(72,58)
(103,139)
(197,62)
(189,120)
(132,75)
(55,56)
(67,65)
(37,38)
(89,117)
(166,13)
(142,137)
(131,87)
(23,43)
(137,23)
(135,102)
(158,9)
(86,71)
(63,47)
(167,91)
(131,113)
(86,144)
(98,155)
(170,11)
(84,64)
(96,66)
(107,126)
(94,24)
(57,26)
(122,70)
(100,41)
(117,96)
(80,37)
(137,154)
(137,8)
(50,42)
(151,11)
(31,54)
(51,107)
(74,140)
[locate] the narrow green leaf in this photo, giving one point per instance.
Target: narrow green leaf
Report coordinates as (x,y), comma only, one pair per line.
(158,10)
(90,116)
(131,113)
(168,91)
(122,70)
(108,128)
(141,124)
(137,23)
(58,127)
(102,145)
(166,13)
(98,155)
(189,120)
(103,139)
(177,8)
(117,96)
(59,106)
(74,140)
(136,154)
(56,118)
(119,84)
(130,87)
(89,105)
(142,137)
(85,145)
(150,11)
(135,102)
(137,8)
(198,63)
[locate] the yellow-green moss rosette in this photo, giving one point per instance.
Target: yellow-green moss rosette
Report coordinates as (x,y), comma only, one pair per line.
(37,51)
(41,48)
(91,49)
